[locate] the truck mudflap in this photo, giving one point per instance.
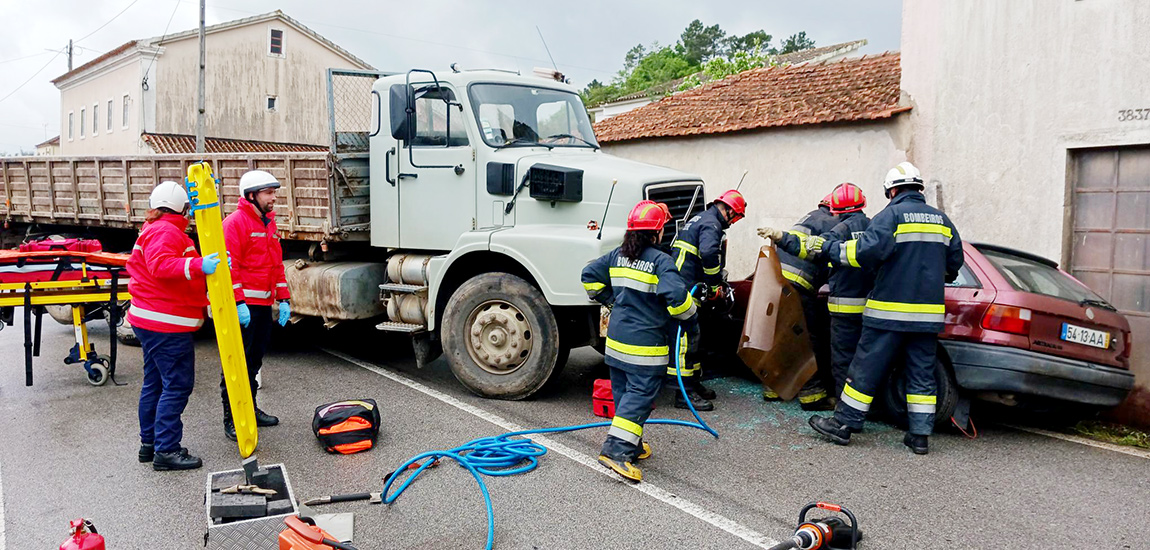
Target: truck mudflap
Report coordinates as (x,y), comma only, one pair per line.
(336,291)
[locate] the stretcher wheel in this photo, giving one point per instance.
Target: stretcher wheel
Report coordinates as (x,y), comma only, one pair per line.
(99,374)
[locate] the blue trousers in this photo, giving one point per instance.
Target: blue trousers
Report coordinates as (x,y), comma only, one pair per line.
(634,394)
(877,348)
(169,374)
(845,333)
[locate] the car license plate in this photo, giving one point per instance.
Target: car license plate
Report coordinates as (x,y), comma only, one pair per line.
(1085,336)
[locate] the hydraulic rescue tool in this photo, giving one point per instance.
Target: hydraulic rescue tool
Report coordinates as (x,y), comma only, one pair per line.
(830,533)
(203,191)
(84,537)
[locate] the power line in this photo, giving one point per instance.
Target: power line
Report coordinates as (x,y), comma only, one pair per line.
(157,52)
(25,57)
(109,21)
(30,78)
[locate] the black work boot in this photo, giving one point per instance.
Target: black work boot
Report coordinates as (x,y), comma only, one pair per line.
(830,427)
(229,425)
(770,396)
(697,401)
(917,443)
(179,460)
(264,419)
(148,452)
(824,404)
(703,391)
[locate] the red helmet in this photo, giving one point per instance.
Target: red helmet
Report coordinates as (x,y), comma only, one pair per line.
(648,215)
(826,200)
(847,197)
(736,202)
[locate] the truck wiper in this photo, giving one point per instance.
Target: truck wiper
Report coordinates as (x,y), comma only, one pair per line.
(557,136)
(1097,303)
(522,141)
(515,197)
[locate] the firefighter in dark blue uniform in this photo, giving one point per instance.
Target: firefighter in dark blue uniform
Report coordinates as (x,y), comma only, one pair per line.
(915,250)
(808,275)
(849,285)
(649,300)
(697,251)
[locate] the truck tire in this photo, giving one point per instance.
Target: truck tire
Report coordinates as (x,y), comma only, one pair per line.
(894,395)
(500,336)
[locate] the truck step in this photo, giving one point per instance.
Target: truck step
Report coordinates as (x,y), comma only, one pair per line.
(408,328)
(402,288)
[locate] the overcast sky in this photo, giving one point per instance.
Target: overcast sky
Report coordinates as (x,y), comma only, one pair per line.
(587,38)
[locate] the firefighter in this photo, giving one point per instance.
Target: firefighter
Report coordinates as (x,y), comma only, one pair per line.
(915,250)
(697,251)
(807,276)
(169,293)
(258,279)
(649,300)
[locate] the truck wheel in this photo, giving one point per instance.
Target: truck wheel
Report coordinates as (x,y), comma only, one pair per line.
(500,336)
(894,396)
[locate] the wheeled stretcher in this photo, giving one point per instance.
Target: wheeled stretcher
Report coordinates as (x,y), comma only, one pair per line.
(92,283)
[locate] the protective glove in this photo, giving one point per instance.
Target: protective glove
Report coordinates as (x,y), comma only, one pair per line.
(775,235)
(244,313)
(716,293)
(815,244)
(285,313)
(211,262)
(229,260)
(694,355)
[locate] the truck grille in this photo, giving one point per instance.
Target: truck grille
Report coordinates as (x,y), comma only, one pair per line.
(677,197)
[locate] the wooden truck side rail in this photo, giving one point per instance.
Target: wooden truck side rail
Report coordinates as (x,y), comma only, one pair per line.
(113,192)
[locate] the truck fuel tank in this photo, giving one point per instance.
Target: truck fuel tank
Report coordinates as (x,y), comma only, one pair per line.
(336,291)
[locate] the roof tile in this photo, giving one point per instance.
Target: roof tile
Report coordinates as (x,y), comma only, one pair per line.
(183,144)
(865,88)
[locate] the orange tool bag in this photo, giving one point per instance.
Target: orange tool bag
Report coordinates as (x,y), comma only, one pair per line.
(347,427)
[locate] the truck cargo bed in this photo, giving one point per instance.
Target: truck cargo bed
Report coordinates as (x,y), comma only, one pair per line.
(113,191)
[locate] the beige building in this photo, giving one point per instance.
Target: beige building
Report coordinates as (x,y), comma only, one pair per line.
(48,148)
(1032,120)
(797,130)
(266,80)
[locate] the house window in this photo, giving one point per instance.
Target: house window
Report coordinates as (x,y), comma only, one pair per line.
(95,119)
(276,43)
(271,102)
(71,124)
(109,116)
(82,119)
(126,111)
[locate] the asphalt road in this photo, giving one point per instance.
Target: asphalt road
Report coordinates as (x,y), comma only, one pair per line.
(69,451)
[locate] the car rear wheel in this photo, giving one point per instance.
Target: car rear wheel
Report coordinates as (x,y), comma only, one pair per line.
(894,397)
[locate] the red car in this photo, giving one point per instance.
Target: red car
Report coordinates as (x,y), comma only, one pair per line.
(1020,331)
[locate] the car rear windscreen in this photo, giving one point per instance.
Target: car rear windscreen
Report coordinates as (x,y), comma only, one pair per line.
(1038,278)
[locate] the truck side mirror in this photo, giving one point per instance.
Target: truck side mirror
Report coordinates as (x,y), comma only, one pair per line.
(401,106)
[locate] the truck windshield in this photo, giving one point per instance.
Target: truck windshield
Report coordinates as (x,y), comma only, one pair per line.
(511,115)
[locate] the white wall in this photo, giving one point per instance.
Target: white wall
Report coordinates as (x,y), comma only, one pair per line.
(239,76)
(790,170)
(608,110)
(1001,91)
(112,82)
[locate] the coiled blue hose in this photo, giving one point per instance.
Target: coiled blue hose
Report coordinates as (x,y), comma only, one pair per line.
(502,456)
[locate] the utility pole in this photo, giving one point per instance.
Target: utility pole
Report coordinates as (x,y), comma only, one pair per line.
(200,97)
(69,55)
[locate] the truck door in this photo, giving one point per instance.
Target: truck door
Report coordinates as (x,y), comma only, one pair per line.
(436,173)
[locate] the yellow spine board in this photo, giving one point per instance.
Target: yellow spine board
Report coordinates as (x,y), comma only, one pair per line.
(210,227)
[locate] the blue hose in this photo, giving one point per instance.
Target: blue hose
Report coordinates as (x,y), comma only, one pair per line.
(502,456)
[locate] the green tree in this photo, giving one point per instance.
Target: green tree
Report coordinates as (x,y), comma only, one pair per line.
(701,43)
(721,67)
(659,66)
(596,92)
(797,42)
(747,42)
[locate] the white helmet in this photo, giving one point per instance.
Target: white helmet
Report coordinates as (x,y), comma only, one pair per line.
(170,195)
(255,180)
(903,174)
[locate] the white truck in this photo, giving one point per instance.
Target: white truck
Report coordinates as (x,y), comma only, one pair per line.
(462,214)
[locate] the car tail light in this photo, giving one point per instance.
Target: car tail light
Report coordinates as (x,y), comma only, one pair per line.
(1127,338)
(1015,320)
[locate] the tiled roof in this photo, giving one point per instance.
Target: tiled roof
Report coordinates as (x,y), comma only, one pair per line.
(119,50)
(864,88)
(181,143)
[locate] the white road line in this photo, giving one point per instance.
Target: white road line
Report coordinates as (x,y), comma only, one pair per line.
(1132,451)
(653,491)
(3,542)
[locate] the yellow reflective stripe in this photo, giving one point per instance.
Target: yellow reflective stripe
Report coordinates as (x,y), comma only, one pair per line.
(802,243)
(686,247)
(844,308)
(593,287)
(676,310)
(921,399)
(857,395)
(627,425)
(923,228)
(852,252)
(711,270)
(642,351)
(808,399)
(798,280)
(681,260)
(900,307)
(634,274)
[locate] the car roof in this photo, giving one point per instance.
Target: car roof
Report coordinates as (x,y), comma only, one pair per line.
(1014,252)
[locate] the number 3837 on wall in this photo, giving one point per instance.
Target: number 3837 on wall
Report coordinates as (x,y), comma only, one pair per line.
(1129,115)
